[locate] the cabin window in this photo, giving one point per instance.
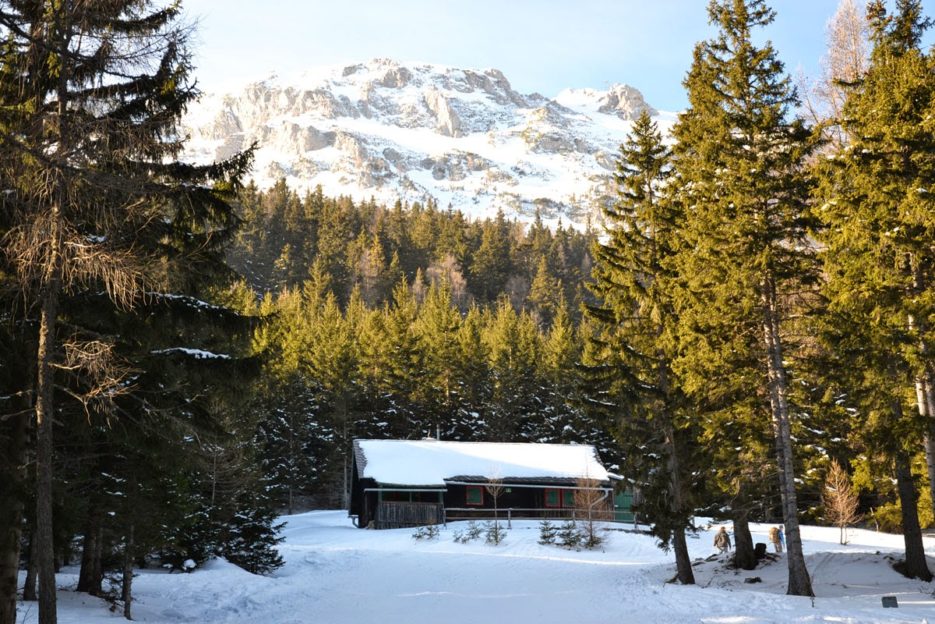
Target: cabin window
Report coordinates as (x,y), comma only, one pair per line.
(474,494)
(559,498)
(553,498)
(568,498)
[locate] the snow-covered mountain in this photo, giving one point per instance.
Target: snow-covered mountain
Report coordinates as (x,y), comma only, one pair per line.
(388,130)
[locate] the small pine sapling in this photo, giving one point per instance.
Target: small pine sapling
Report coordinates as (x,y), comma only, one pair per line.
(547,532)
(569,536)
(429,532)
(471,533)
(494,533)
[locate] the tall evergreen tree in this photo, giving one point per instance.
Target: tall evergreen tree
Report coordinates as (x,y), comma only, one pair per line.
(637,341)
(490,265)
(511,342)
(739,160)
(880,263)
(437,330)
(92,93)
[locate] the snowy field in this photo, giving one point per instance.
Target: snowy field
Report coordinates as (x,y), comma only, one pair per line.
(337,574)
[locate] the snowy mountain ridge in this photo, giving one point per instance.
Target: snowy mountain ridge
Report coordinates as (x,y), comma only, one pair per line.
(392,131)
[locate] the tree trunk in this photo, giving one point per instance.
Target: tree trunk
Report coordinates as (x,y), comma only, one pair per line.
(45,550)
(915,565)
(91,575)
(11,513)
(683,563)
(925,402)
(346,443)
(293,454)
(799,582)
(30,591)
(744,555)
(127,591)
(925,394)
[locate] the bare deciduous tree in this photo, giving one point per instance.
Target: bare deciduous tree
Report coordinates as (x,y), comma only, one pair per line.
(593,501)
(495,489)
(846,60)
(840,500)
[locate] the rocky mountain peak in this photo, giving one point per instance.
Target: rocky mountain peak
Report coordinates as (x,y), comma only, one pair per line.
(392,130)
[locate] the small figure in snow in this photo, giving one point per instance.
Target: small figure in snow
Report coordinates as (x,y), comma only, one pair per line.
(777,538)
(722,540)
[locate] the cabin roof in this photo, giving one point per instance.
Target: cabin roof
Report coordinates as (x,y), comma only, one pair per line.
(434,462)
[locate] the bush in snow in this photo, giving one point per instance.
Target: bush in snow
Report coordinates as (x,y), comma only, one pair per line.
(472,532)
(569,536)
(250,537)
(427,532)
(588,536)
(494,533)
(547,532)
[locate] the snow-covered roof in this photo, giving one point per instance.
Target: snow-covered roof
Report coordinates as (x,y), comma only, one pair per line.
(433,462)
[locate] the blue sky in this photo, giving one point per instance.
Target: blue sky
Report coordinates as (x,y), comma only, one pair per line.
(540,45)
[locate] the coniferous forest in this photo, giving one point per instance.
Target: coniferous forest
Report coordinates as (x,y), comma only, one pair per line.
(186,356)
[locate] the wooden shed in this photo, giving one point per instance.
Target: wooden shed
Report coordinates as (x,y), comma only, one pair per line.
(404,483)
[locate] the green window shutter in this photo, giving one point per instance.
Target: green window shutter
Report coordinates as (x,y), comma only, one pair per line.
(551,498)
(474,495)
(568,498)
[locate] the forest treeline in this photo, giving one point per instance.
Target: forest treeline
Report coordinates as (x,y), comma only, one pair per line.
(407,322)
(185,357)
(371,248)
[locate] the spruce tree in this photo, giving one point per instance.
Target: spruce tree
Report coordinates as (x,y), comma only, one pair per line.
(545,295)
(437,331)
(330,358)
(739,159)
(877,211)
(637,339)
(96,89)
(512,347)
(490,264)
(475,379)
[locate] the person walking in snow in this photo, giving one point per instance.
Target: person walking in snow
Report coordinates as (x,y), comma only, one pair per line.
(722,540)
(776,537)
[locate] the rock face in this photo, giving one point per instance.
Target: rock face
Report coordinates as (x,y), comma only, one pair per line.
(392,131)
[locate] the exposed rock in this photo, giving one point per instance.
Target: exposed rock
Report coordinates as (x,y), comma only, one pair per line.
(396,77)
(389,130)
(446,120)
(625,102)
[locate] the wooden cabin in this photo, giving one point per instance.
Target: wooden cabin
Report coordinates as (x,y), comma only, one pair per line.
(404,483)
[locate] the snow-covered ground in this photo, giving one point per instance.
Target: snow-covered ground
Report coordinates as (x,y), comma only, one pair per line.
(335,573)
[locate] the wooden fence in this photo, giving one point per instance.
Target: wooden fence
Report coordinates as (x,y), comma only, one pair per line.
(399,515)
(602,513)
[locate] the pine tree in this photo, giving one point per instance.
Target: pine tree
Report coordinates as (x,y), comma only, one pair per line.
(330,358)
(437,328)
(637,341)
(474,380)
(490,265)
(739,161)
(511,342)
(877,213)
(106,198)
(545,295)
